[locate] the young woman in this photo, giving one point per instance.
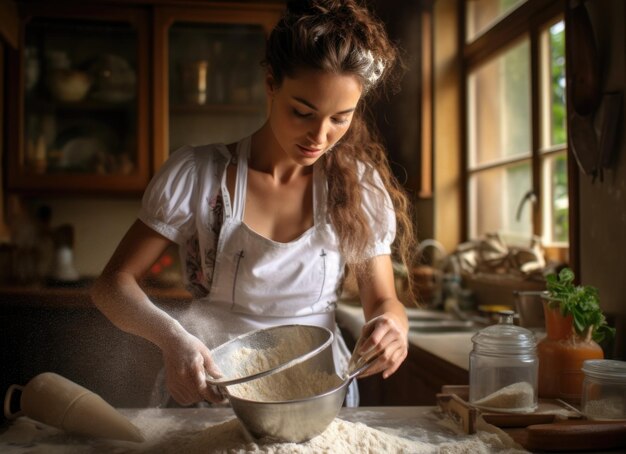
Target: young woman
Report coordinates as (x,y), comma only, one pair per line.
(267,226)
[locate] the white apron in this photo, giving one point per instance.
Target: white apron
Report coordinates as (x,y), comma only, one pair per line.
(258,282)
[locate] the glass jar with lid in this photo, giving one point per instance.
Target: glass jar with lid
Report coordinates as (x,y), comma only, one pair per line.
(604,389)
(503,367)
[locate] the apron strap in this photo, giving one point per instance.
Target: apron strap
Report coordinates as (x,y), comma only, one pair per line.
(235,207)
(228,209)
(243,152)
(319,194)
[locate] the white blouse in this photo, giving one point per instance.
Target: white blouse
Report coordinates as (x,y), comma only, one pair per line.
(183,203)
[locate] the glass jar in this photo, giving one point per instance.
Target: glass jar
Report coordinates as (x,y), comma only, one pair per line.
(503,367)
(604,389)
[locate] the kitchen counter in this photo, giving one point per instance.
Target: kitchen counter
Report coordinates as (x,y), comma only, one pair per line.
(182,430)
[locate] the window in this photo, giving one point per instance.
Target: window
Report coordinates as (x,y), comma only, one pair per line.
(482,14)
(515,120)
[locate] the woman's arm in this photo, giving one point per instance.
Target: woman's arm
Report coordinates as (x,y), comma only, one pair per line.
(119,297)
(386,330)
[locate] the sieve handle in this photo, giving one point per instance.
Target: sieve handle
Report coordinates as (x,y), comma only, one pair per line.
(356,368)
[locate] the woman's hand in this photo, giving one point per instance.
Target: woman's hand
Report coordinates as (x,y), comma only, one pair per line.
(386,332)
(385,338)
(187,361)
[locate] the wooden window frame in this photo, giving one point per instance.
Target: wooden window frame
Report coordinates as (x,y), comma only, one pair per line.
(529,19)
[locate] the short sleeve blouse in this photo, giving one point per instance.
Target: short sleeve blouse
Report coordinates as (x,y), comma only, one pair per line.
(183,203)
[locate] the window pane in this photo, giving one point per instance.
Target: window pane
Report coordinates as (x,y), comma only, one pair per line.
(553,86)
(495,195)
(555,202)
(481,14)
(499,107)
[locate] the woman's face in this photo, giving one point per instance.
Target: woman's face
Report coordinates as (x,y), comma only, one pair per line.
(311,111)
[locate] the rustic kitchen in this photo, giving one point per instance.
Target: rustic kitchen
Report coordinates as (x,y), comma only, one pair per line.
(507,133)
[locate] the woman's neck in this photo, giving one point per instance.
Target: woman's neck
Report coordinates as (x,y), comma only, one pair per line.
(267,156)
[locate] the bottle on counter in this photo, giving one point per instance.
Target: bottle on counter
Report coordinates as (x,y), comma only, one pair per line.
(562,354)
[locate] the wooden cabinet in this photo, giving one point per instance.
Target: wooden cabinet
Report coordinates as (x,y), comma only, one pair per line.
(100,94)
(416,382)
(209,83)
(81,79)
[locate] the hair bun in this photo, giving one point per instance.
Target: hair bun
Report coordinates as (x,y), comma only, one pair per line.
(298,6)
(314,6)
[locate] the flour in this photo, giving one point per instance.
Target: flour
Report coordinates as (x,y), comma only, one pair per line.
(297,382)
(519,396)
(607,408)
(171,435)
(247,361)
(488,439)
(341,437)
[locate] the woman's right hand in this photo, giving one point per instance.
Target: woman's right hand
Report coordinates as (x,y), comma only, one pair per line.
(187,361)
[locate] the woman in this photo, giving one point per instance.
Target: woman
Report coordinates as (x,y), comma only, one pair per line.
(267,225)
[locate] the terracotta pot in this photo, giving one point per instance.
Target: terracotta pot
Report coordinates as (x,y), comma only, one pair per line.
(561,355)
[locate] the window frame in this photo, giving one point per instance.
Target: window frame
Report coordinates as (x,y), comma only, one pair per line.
(528,19)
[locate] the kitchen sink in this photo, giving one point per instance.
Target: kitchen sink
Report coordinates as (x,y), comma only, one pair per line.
(442,326)
(415,314)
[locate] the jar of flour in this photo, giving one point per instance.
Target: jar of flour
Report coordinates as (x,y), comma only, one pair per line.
(503,367)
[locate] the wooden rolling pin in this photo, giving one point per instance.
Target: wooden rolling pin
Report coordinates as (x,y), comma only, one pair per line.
(576,436)
(61,403)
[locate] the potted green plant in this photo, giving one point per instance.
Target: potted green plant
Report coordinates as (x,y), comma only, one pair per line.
(582,302)
(574,326)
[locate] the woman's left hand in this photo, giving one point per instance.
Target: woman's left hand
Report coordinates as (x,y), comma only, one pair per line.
(385,338)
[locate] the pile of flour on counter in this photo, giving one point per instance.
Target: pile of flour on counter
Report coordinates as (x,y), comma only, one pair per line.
(170,435)
(341,437)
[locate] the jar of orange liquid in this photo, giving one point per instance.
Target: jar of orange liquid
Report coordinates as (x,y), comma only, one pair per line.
(561,355)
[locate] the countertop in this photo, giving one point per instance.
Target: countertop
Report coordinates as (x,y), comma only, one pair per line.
(453,347)
(187,430)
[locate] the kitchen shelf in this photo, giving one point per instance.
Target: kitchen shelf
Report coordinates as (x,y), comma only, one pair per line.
(81,106)
(235,109)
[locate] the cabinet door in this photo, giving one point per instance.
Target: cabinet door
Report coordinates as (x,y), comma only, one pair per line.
(209,83)
(82,104)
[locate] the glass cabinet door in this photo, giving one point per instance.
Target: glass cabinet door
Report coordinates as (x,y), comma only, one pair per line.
(213,80)
(83,104)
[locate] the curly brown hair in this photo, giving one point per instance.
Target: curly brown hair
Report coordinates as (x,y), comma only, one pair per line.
(344,37)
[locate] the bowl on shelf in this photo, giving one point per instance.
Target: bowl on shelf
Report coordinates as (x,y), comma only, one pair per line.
(69,85)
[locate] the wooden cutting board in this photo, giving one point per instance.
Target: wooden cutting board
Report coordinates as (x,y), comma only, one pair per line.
(537,431)
(545,413)
(573,435)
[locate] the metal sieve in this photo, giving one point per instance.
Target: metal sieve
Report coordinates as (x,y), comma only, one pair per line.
(267,350)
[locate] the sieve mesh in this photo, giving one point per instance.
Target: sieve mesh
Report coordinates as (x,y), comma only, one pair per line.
(269,350)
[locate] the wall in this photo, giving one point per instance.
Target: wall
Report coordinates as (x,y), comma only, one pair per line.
(603,203)
(99,225)
(447,166)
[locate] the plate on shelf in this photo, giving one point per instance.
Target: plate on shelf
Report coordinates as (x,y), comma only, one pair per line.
(82,153)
